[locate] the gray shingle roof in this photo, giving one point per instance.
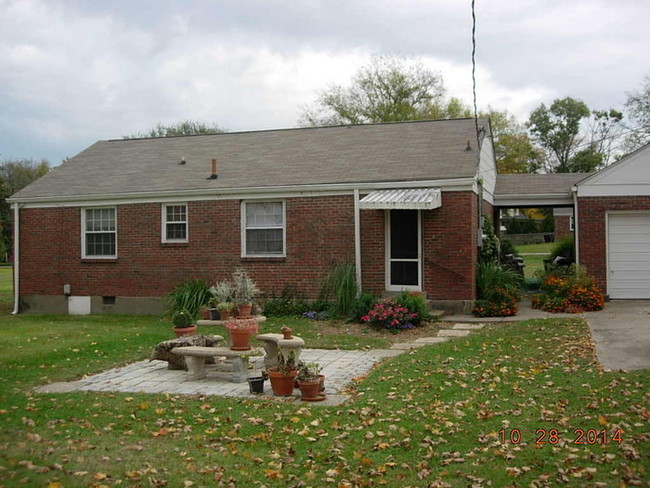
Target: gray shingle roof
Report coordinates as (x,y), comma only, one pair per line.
(527,184)
(406,151)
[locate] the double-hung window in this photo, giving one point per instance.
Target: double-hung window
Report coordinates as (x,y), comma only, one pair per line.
(99,236)
(174,218)
(263,229)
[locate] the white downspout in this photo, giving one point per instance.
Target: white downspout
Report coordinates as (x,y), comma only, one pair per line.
(357,240)
(16,258)
(576,234)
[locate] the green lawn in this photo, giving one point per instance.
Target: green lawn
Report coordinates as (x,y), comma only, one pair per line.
(428,418)
(534,255)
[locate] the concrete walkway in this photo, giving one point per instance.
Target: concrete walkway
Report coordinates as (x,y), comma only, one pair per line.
(622,334)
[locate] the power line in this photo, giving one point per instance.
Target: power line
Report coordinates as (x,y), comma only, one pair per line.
(478,139)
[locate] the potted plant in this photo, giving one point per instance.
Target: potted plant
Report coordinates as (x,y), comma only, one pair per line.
(286,332)
(183,324)
(225,310)
(245,290)
(256,383)
(240,332)
(222,292)
(309,382)
(283,376)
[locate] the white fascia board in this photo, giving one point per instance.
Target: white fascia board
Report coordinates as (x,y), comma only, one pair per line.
(457,184)
(620,190)
(528,200)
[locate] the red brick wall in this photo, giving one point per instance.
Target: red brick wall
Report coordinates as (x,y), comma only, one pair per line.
(50,249)
(562,226)
(593,233)
(449,250)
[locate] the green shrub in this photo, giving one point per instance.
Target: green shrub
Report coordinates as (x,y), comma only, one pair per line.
(293,307)
(565,247)
(415,303)
(362,306)
(507,247)
(498,291)
(489,252)
(189,296)
(490,277)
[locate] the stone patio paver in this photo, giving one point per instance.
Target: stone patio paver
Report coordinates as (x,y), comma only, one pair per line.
(468,326)
(453,333)
(431,340)
(340,368)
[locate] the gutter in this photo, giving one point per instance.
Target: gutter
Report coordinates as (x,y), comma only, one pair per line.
(16,259)
(458,184)
(576,228)
(357,240)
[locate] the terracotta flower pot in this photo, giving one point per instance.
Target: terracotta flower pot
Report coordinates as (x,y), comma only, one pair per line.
(225,314)
(286,332)
(244,310)
(205,313)
(185,331)
(281,383)
(240,340)
(309,389)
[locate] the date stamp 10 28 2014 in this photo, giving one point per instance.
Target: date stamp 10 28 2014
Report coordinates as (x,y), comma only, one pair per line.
(586,437)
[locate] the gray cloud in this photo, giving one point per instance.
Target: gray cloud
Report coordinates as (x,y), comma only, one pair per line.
(73,72)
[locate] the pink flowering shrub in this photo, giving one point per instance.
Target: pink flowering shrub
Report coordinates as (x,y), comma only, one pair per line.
(387,314)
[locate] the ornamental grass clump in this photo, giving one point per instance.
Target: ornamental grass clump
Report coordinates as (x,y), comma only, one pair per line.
(390,315)
(498,290)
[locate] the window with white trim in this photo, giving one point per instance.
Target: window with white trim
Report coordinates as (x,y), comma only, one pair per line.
(99,234)
(174,223)
(263,229)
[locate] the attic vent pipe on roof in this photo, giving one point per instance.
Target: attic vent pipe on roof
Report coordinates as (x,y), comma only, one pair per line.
(214,174)
(469,147)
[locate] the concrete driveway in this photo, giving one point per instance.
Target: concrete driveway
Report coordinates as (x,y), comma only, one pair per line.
(622,334)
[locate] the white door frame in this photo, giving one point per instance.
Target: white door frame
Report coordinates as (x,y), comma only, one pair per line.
(389,286)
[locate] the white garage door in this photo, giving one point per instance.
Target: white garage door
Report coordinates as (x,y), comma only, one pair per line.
(628,255)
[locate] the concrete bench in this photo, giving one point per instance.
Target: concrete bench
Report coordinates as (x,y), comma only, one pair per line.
(195,357)
(163,351)
(274,343)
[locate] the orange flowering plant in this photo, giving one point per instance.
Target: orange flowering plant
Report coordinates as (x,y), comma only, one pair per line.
(574,291)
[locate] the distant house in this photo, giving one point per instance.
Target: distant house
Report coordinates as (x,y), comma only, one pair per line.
(116,227)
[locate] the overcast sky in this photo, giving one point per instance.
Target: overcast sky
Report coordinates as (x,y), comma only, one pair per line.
(74,72)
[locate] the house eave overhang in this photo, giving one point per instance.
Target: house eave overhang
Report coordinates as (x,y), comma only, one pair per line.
(452,184)
(533,200)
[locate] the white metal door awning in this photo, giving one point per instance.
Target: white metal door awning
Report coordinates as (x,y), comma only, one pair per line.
(402,199)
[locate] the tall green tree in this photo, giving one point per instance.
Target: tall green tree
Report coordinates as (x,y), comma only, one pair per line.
(513,149)
(387,89)
(556,129)
(183,128)
(15,174)
(637,107)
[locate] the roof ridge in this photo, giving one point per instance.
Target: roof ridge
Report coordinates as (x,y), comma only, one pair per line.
(287,129)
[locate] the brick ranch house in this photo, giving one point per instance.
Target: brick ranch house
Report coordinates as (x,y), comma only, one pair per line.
(116,227)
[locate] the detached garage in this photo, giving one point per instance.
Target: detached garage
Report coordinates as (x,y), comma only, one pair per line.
(613,226)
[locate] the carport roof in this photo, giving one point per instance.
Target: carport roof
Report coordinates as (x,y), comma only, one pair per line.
(526,190)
